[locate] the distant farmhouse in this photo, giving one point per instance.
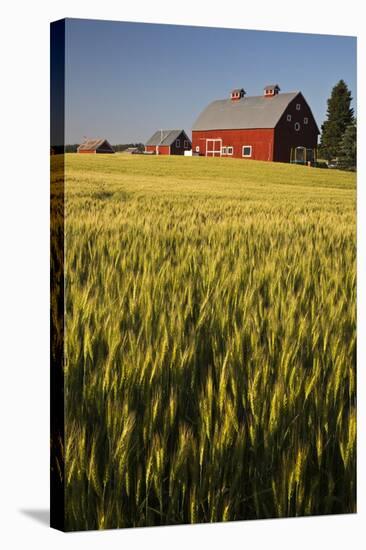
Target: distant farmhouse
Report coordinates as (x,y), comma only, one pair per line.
(131,150)
(95,146)
(168,142)
(274,127)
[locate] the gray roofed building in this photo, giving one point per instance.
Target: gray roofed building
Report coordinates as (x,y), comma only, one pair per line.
(246,113)
(168,142)
(268,127)
(131,150)
(95,145)
(164,137)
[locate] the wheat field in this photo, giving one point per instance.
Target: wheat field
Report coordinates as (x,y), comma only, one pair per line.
(210,341)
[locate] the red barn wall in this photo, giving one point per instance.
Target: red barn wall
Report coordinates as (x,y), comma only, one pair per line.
(163,149)
(261,140)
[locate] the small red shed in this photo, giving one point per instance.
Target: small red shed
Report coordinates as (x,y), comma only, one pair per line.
(95,145)
(267,127)
(168,142)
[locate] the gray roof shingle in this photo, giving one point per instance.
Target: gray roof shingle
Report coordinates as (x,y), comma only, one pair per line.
(164,137)
(246,113)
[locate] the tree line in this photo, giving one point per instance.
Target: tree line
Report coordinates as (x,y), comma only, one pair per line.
(338,142)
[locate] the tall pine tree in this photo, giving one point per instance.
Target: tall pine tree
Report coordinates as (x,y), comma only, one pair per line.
(339,116)
(348,148)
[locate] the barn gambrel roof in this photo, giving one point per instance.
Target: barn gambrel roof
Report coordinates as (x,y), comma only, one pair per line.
(165,137)
(247,113)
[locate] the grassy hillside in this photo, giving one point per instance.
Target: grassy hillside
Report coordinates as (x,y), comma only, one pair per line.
(210,340)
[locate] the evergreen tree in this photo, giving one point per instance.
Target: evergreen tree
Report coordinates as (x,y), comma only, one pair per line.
(339,116)
(348,148)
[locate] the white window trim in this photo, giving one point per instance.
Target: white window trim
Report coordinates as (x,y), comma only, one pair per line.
(298,106)
(242,151)
(289,118)
(177,142)
(197,148)
(227,150)
(306,120)
(297,126)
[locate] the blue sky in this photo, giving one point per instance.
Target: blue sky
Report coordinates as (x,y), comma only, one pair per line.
(126,80)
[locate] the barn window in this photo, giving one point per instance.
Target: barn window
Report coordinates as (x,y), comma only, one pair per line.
(288,118)
(297,126)
(177,143)
(197,148)
(186,143)
(223,150)
(229,150)
(306,120)
(247,151)
(298,106)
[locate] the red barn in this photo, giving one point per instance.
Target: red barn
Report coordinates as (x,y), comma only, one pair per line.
(168,142)
(95,145)
(274,126)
